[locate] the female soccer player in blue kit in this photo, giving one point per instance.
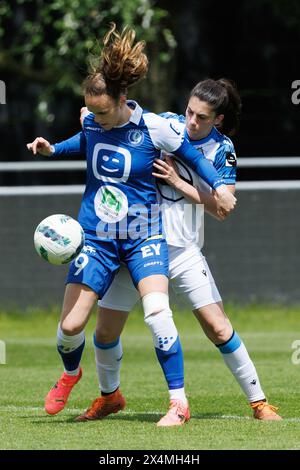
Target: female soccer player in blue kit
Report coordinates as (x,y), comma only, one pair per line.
(212,104)
(121,142)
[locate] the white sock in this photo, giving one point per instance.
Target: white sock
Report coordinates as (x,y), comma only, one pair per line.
(178,394)
(67,344)
(238,361)
(108,364)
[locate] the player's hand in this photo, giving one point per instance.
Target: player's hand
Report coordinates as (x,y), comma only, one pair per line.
(83,113)
(41,146)
(226,201)
(167,170)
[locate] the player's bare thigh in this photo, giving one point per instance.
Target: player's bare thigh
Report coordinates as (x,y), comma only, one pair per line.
(78,302)
(154,283)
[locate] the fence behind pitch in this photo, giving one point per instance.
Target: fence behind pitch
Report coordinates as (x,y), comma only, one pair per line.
(254,254)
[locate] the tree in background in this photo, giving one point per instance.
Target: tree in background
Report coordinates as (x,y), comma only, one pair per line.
(44,46)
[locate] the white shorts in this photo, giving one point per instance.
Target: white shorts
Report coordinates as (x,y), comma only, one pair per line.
(190,278)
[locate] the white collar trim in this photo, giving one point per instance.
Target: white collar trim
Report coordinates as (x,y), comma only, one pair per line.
(137,111)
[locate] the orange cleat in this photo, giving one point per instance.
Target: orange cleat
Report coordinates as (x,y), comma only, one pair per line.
(178,414)
(58,396)
(264,411)
(104,406)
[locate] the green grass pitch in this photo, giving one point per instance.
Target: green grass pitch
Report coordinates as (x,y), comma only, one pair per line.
(221,417)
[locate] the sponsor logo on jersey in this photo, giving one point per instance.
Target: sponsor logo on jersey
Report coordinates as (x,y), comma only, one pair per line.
(111,163)
(135,137)
(230,159)
(98,129)
(151,250)
(111,204)
(153,263)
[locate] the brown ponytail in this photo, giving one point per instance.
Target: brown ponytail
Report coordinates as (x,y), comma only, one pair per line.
(121,64)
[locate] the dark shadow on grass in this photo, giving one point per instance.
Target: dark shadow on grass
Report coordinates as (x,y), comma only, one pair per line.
(137,417)
(49,419)
(142,417)
(155,417)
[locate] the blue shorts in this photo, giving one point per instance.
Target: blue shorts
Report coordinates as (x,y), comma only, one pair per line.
(100,259)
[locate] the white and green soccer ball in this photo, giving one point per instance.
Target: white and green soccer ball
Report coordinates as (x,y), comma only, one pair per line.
(58,239)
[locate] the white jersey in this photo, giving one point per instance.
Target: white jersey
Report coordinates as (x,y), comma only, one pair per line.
(183,219)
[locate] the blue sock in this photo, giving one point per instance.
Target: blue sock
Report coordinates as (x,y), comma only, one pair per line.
(70,348)
(71,359)
(171,362)
(231,344)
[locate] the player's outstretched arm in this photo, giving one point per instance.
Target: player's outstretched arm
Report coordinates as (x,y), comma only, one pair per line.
(75,145)
(41,146)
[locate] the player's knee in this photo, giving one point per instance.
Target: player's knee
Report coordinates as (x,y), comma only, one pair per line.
(221,331)
(154,303)
(104,336)
(71,327)
(158,317)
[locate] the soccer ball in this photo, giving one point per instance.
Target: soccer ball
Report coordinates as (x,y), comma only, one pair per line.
(58,239)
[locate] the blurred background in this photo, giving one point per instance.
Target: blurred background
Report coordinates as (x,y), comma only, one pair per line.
(44,46)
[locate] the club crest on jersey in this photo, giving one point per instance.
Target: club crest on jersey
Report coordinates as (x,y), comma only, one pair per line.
(230,159)
(135,137)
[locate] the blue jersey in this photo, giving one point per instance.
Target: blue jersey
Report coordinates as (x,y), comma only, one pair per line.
(120,185)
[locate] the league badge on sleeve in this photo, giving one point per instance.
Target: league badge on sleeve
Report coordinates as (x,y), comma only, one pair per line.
(230,159)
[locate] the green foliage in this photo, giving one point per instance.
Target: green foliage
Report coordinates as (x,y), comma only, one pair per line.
(48,42)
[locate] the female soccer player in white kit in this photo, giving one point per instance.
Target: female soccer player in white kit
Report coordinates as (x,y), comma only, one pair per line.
(212,104)
(121,141)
